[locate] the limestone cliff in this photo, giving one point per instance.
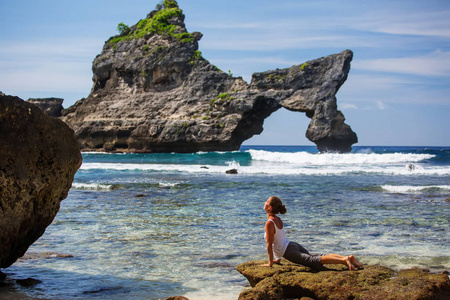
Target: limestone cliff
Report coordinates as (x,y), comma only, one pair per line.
(154,92)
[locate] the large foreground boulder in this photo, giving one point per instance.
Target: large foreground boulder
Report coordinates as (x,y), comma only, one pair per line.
(290,281)
(39,158)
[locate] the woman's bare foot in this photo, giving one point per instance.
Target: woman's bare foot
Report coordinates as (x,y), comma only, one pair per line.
(354,261)
(351,267)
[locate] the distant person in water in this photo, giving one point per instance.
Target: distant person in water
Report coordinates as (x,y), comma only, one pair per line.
(278,245)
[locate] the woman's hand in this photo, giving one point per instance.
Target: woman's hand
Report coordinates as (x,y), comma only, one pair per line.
(270,265)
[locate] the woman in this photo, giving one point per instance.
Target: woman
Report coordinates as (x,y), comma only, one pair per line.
(278,246)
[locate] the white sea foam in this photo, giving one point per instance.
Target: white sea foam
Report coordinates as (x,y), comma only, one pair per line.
(154,167)
(305,158)
(168,184)
(413,189)
(102,153)
(91,186)
(274,168)
(304,163)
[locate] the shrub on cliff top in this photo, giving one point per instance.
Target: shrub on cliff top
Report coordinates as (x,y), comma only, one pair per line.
(122,28)
(170,3)
(158,24)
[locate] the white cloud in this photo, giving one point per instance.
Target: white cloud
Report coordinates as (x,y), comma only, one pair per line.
(52,66)
(344,106)
(277,41)
(49,76)
(436,63)
(315,27)
(423,23)
(55,48)
(381,105)
(369,88)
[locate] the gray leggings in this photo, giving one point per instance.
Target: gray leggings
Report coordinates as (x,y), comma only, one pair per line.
(299,255)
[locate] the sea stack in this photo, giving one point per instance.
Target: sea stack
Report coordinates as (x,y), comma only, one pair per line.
(153,91)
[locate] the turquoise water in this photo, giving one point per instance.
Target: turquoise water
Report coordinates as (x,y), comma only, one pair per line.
(151,226)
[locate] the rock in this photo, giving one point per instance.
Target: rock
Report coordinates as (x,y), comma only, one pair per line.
(373,282)
(177,298)
(154,92)
(447,200)
(231,171)
(50,106)
(39,158)
(44,255)
(28,282)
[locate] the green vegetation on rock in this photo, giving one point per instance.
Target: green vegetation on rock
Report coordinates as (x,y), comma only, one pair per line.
(196,57)
(122,28)
(221,99)
(273,77)
(158,24)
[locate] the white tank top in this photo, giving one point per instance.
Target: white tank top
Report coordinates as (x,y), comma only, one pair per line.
(280,242)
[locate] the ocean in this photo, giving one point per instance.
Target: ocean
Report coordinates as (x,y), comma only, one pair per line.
(151,226)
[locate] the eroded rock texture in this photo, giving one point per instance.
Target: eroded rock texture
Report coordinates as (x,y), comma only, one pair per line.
(39,158)
(50,106)
(290,281)
(154,92)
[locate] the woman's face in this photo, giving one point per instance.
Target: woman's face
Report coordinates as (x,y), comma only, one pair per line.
(267,206)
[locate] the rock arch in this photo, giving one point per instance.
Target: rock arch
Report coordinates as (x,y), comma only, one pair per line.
(283,127)
(198,107)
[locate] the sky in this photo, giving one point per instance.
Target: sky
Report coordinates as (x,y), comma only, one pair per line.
(397,92)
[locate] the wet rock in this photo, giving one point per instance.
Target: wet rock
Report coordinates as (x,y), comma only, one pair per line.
(29,282)
(2,276)
(39,158)
(373,282)
(44,255)
(231,171)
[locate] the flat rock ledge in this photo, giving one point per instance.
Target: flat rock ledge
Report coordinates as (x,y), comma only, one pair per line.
(291,281)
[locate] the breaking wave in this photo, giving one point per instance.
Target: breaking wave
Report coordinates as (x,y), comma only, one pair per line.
(405,189)
(91,186)
(305,158)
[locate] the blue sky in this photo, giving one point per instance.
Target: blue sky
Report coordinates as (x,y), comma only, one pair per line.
(397,92)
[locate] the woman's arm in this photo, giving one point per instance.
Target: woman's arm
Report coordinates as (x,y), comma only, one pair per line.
(270,232)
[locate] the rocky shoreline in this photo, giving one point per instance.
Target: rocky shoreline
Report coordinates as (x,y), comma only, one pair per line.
(291,281)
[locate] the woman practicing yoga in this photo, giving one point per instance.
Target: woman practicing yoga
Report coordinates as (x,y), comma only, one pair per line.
(278,246)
